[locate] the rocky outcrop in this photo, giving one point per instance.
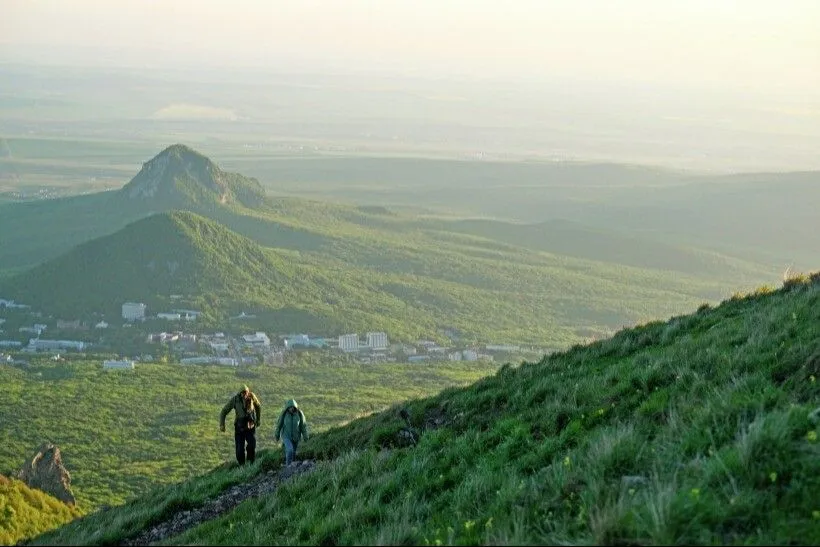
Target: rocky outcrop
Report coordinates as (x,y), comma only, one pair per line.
(45,471)
(185,178)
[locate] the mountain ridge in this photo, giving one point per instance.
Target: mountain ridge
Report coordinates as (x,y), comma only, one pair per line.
(357,266)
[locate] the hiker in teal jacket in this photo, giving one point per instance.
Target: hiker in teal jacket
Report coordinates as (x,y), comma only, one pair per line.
(291,427)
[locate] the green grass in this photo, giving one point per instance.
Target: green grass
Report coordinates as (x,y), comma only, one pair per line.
(123,432)
(27,512)
(699,430)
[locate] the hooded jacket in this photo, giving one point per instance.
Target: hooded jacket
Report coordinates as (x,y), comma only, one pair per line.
(237,404)
(292,426)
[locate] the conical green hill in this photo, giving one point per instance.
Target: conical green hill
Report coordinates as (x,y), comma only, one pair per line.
(167,253)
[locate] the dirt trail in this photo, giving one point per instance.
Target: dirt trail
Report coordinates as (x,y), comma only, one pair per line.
(224,502)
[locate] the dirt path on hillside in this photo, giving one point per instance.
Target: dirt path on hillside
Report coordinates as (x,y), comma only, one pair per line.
(224,502)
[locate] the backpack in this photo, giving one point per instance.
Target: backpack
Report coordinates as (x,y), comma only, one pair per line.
(250,419)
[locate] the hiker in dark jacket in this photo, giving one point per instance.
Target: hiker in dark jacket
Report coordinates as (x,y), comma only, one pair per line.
(291,427)
(248,415)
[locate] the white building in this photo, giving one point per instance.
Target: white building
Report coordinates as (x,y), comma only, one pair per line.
(210,360)
(377,340)
(469,355)
(219,346)
(36,344)
(297,340)
(101,325)
(188,315)
(256,339)
(133,311)
(502,347)
(118,365)
(169,316)
(349,342)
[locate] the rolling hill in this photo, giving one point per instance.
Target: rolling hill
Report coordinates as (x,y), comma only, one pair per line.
(409,288)
(699,430)
(349,267)
(176,178)
(567,238)
(221,272)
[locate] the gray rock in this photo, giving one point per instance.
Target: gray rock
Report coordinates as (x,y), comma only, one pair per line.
(45,471)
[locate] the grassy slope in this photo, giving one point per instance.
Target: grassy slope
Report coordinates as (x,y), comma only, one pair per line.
(161,420)
(703,429)
(27,512)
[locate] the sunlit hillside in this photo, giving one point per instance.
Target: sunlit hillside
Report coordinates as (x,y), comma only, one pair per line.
(27,512)
(699,430)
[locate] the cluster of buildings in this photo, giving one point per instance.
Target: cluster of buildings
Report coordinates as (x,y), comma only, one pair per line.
(137,311)
(428,350)
(226,350)
(40,344)
(375,341)
(258,347)
(250,348)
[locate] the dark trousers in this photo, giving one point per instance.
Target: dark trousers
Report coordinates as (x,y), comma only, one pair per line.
(241,437)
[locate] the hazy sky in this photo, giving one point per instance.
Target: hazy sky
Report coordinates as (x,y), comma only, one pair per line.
(769,45)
